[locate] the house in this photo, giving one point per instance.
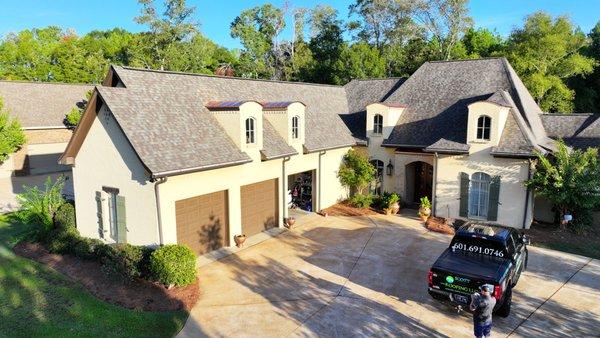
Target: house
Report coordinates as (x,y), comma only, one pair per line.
(40,107)
(165,157)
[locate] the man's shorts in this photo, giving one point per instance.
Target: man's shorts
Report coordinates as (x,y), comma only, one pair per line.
(482,330)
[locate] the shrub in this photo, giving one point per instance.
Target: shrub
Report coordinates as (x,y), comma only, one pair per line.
(122,261)
(145,262)
(361,200)
(356,172)
(386,200)
(86,248)
(62,241)
(173,265)
(65,216)
(12,136)
(39,206)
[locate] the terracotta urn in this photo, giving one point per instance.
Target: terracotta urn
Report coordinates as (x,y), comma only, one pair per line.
(388,211)
(424,213)
(239,240)
(395,207)
(289,222)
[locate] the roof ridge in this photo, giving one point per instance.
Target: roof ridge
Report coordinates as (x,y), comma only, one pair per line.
(226,77)
(380,78)
(464,60)
(48,82)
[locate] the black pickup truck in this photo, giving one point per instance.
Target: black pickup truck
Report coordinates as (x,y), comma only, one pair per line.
(480,254)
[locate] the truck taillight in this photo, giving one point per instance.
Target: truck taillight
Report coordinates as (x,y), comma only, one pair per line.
(498,292)
(430,278)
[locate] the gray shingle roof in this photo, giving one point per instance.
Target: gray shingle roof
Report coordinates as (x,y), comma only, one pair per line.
(445,146)
(438,95)
(164,116)
(361,93)
(274,146)
(41,104)
(577,130)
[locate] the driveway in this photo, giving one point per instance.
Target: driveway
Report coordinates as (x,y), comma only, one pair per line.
(353,276)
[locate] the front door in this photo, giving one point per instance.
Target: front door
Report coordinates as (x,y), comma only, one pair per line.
(423,181)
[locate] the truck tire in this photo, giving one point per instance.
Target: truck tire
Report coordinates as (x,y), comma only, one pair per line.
(504,309)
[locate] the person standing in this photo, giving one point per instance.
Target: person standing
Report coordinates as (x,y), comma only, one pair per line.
(482,305)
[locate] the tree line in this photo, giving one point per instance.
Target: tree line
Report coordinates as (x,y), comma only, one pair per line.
(559,63)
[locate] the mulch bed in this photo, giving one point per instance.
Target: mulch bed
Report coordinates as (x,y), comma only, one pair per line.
(438,224)
(139,294)
(345,209)
(542,233)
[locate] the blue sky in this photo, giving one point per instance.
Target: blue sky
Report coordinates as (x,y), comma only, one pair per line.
(215,16)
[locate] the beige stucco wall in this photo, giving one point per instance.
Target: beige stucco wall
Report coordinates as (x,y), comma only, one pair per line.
(282,122)
(43,158)
(232,178)
(107,159)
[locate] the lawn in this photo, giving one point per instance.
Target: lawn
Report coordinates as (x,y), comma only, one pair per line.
(551,237)
(38,301)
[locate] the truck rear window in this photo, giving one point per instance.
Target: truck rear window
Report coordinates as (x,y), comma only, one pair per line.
(479,246)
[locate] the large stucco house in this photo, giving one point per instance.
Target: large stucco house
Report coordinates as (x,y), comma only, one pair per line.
(163,157)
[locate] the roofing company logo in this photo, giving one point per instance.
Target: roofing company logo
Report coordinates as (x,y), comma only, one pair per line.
(449,279)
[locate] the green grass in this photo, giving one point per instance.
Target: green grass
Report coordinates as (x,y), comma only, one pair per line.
(591,250)
(38,301)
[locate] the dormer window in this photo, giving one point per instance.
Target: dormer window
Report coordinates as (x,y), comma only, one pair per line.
(295,127)
(250,130)
(377,124)
(484,125)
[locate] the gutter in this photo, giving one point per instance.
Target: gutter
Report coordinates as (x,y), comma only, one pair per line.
(527,196)
(158,214)
(434,192)
(321,153)
(284,185)
(200,168)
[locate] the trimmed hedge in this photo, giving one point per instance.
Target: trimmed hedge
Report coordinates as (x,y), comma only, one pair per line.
(85,248)
(62,240)
(64,217)
(122,261)
(173,264)
(361,201)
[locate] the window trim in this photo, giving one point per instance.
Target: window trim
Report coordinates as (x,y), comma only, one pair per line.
(378,125)
(250,125)
(295,127)
(483,128)
(480,181)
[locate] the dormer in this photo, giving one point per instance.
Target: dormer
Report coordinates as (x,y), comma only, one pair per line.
(487,120)
(289,119)
(382,118)
(242,121)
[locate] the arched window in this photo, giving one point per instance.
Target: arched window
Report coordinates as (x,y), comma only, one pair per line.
(375,186)
(295,127)
(479,195)
(250,130)
(377,124)
(484,125)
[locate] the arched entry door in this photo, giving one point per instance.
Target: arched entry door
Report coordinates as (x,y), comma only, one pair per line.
(376,186)
(419,181)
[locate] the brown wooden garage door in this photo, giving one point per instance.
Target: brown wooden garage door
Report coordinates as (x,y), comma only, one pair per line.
(202,222)
(259,207)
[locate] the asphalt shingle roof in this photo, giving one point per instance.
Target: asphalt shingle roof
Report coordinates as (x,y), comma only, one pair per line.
(41,104)
(274,146)
(163,114)
(577,130)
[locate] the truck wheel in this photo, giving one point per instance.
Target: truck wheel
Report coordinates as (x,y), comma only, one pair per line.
(504,309)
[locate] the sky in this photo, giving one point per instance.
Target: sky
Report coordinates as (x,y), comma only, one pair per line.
(215,16)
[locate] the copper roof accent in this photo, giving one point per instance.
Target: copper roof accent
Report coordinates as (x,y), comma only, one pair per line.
(278,104)
(226,105)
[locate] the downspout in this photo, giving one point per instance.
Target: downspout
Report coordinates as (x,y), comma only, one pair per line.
(527,195)
(158,215)
(284,185)
(434,192)
(321,153)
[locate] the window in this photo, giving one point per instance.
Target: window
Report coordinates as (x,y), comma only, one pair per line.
(112,216)
(479,195)
(484,125)
(375,186)
(250,129)
(295,130)
(377,124)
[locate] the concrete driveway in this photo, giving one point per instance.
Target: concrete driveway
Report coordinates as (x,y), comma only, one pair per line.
(341,277)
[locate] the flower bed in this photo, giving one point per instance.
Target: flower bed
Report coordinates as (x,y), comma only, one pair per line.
(439,224)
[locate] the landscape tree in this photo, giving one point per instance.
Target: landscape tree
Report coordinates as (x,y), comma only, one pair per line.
(545,52)
(326,44)
(482,42)
(258,29)
(587,86)
(11,135)
(356,172)
(359,61)
(570,180)
(74,116)
(166,31)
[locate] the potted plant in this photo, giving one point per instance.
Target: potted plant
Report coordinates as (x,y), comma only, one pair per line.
(390,203)
(239,240)
(289,222)
(425,209)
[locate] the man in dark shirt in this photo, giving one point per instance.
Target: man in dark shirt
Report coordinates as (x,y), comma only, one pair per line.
(482,305)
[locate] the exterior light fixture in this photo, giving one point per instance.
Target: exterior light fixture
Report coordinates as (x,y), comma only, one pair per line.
(390,168)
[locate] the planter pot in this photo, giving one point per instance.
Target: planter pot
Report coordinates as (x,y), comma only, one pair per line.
(239,240)
(289,222)
(425,211)
(395,208)
(424,217)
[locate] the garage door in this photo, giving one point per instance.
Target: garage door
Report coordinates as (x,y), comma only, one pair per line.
(202,222)
(259,207)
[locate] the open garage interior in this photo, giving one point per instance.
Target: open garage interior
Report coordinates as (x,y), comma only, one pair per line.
(301,188)
(260,210)
(202,222)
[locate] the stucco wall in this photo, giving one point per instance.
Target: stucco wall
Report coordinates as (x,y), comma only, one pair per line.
(513,173)
(107,159)
(232,178)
